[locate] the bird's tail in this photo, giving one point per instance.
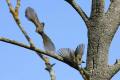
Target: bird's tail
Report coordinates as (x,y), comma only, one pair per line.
(48,44)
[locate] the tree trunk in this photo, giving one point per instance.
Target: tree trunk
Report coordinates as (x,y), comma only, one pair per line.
(100,34)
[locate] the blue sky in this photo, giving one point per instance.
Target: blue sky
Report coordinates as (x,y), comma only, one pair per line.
(62,24)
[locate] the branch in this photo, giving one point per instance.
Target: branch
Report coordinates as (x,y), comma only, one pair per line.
(45,59)
(74,59)
(17,6)
(113,12)
(14,42)
(39,51)
(84,73)
(51,54)
(78,9)
(114,68)
(48,66)
(97,8)
(15,15)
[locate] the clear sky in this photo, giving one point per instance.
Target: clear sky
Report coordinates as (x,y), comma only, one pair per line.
(64,26)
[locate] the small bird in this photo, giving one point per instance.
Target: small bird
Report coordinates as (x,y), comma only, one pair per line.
(68,56)
(79,53)
(72,57)
(31,15)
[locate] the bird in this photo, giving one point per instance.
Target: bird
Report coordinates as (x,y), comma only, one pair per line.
(79,53)
(68,56)
(31,15)
(72,57)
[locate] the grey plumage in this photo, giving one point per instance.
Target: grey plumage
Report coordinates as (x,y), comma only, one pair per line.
(68,55)
(48,44)
(71,57)
(79,53)
(31,15)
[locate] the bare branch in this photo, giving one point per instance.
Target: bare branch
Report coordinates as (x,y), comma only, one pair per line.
(113,12)
(74,59)
(45,59)
(49,66)
(97,8)
(51,54)
(78,9)
(112,70)
(15,15)
(84,73)
(32,16)
(17,6)
(52,74)
(39,51)
(14,42)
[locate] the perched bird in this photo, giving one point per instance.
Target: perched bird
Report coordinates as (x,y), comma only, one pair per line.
(79,53)
(68,56)
(72,57)
(31,15)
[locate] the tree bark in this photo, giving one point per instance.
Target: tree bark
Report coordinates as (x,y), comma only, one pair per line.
(100,36)
(101,31)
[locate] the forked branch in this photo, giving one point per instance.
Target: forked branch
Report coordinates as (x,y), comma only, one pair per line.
(15,13)
(114,68)
(49,66)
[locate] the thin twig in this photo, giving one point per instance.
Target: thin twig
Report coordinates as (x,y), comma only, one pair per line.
(14,42)
(31,15)
(49,66)
(51,54)
(15,15)
(45,59)
(39,51)
(17,6)
(78,9)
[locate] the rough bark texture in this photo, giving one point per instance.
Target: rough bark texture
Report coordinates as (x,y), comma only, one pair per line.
(101,31)
(102,27)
